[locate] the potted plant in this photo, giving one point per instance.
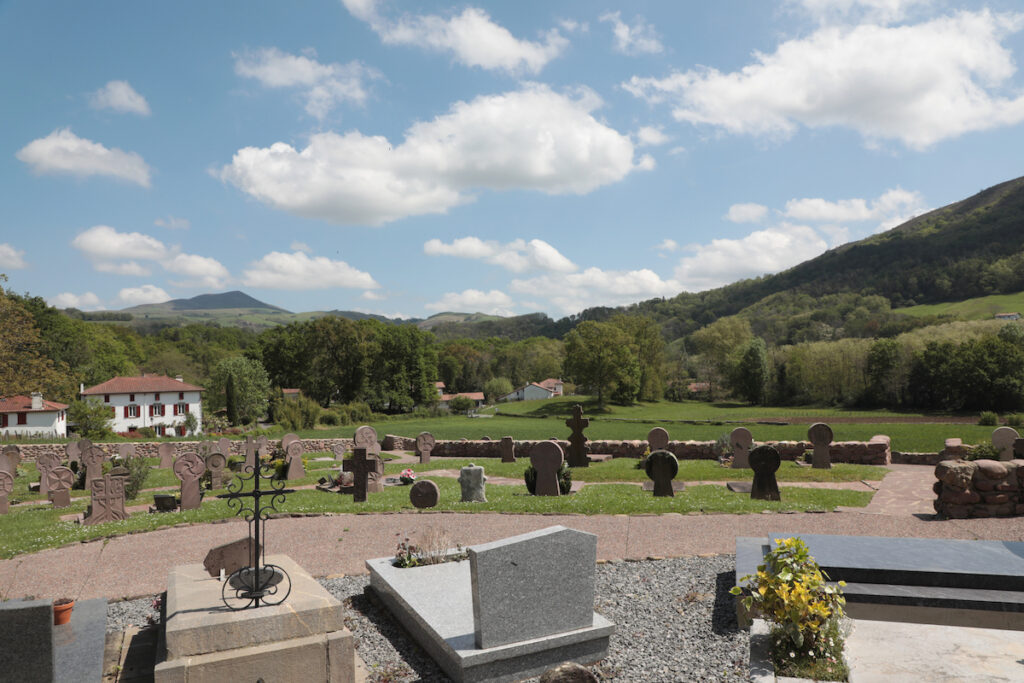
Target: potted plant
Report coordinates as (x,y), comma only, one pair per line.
(407,476)
(62,610)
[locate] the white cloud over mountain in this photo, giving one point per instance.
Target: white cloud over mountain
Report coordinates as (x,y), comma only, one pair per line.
(517,255)
(299,271)
(572,292)
(83,302)
(494,302)
(64,152)
(145,294)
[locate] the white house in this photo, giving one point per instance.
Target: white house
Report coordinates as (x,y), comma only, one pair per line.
(477,397)
(32,416)
(149,401)
(530,392)
(553,385)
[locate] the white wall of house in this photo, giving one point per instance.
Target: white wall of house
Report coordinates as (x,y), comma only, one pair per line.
(530,392)
(145,408)
(43,423)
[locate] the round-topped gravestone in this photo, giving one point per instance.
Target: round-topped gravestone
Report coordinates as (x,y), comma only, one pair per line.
(216,462)
(296,469)
(339,451)
(765,461)
(424,445)
(508,449)
(820,435)
(125,450)
(166,452)
(657,439)
(262,443)
(424,494)
(224,446)
(188,468)
(546,457)
(741,441)
(1003,438)
(662,467)
(93,460)
(471,480)
(366,437)
(287,440)
(71,450)
(83,446)
(45,462)
(13,455)
(6,486)
(61,480)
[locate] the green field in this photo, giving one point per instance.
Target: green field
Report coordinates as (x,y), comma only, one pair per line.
(981,308)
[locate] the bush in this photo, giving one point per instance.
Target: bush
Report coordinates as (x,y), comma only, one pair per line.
(1014,419)
(146,432)
(983,451)
(91,419)
(294,414)
(564,479)
(138,470)
(988,419)
(329,419)
(461,404)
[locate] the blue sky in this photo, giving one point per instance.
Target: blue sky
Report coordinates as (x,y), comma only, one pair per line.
(412,158)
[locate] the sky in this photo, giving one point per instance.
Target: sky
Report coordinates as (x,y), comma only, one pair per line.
(409,158)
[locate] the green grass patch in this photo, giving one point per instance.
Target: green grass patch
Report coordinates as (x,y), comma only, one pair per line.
(980,308)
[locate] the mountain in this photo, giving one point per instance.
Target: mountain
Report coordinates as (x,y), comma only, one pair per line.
(206,302)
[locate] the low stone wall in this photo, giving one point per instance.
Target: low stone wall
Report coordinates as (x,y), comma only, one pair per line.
(979,488)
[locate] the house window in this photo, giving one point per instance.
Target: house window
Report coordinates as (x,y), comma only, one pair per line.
(156,397)
(131,411)
(106,398)
(156,410)
(131,397)
(22,418)
(159,430)
(181,395)
(132,429)
(181,409)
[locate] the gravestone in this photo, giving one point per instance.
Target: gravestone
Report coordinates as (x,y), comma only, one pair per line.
(71,450)
(262,444)
(546,457)
(107,500)
(216,464)
(250,455)
(93,460)
(742,441)
(45,462)
(6,486)
(287,440)
(360,466)
(662,467)
(424,494)
(657,439)
(12,455)
(83,446)
(508,449)
(189,467)
(820,436)
(166,451)
(471,479)
(125,450)
(366,437)
(765,461)
(61,480)
(577,456)
(224,447)
(164,502)
(230,557)
(1003,439)
(424,444)
(296,470)
(375,475)
(339,451)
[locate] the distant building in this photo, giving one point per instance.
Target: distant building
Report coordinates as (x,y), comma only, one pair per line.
(32,416)
(698,387)
(149,401)
(1007,316)
(530,392)
(553,385)
(440,388)
(476,396)
(291,393)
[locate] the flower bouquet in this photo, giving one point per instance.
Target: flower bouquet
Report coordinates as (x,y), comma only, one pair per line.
(407,476)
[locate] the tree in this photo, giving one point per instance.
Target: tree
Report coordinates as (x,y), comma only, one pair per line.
(91,419)
(752,373)
(251,387)
(230,400)
(460,404)
(191,424)
(496,388)
(24,364)
(600,356)
(650,353)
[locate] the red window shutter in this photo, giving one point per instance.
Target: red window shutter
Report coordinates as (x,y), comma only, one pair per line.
(151,410)
(181,395)
(186,407)
(3,420)
(106,398)
(157,397)
(126,411)
(175,408)
(22,418)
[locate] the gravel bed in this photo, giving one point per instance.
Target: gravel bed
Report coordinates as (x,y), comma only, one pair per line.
(138,613)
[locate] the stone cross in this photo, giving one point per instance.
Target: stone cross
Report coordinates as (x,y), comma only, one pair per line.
(741,440)
(366,438)
(61,480)
(83,446)
(662,467)
(71,450)
(424,494)
(188,468)
(166,452)
(820,436)
(250,454)
(296,470)
(339,451)
(1003,438)
(765,461)
(262,444)
(508,449)
(6,486)
(125,450)
(471,479)
(577,442)
(424,444)
(216,464)
(107,500)
(657,439)
(546,457)
(360,466)
(93,460)
(45,462)
(287,440)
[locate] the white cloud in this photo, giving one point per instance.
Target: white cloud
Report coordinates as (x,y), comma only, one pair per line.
(297,271)
(11,258)
(667,246)
(200,271)
(881,11)
(300,246)
(472,37)
(532,138)
(895,206)
(372,295)
(121,268)
(573,292)
(173,223)
(324,85)
(746,213)
(919,84)
(64,152)
(572,26)
(146,294)
(83,302)
(119,96)
(103,242)
(764,251)
(517,256)
(638,39)
(649,136)
(493,302)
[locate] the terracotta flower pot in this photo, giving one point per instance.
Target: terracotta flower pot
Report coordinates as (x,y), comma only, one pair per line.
(62,612)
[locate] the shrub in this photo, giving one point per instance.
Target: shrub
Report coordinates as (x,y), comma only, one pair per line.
(461,404)
(564,479)
(983,451)
(147,432)
(298,413)
(1015,419)
(138,470)
(988,419)
(329,418)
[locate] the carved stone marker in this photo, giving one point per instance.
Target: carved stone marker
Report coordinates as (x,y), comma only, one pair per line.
(375,476)
(296,470)
(508,449)
(339,451)
(71,450)
(250,454)
(166,451)
(262,444)
(107,500)
(360,466)
(45,463)
(471,479)
(12,455)
(93,460)
(188,468)
(546,457)
(662,467)
(224,447)
(820,436)
(216,464)
(424,494)
(657,439)
(1003,438)
(125,450)
(424,444)
(577,441)
(765,461)
(61,480)
(741,440)
(6,486)
(83,446)
(287,440)
(230,557)
(366,437)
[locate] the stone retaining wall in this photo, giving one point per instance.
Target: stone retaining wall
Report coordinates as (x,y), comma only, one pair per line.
(979,488)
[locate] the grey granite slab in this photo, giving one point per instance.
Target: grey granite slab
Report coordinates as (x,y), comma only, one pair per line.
(935,596)
(26,641)
(79,643)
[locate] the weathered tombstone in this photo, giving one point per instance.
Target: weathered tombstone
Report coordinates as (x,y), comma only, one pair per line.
(262,444)
(546,457)
(765,461)
(471,479)
(296,470)
(577,441)
(424,444)
(366,437)
(339,451)
(224,447)
(508,449)
(657,439)
(188,468)
(83,446)
(93,460)
(216,463)
(166,451)
(45,463)
(164,502)
(250,454)
(231,557)
(125,450)
(61,480)
(13,455)
(1003,439)
(71,450)
(820,436)
(662,467)
(741,441)
(360,466)
(424,494)
(6,486)
(287,440)
(8,463)
(107,500)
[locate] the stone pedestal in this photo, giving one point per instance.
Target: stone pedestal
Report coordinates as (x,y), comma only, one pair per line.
(302,639)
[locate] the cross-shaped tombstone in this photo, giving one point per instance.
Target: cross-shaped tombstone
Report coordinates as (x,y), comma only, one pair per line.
(546,457)
(741,440)
(577,441)
(61,480)
(6,486)
(287,440)
(93,460)
(166,451)
(188,468)
(224,447)
(125,450)
(262,444)
(424,444)
(83,446)
(250,454)
(820,436)
(296,470)
(662,467)
(339,451)
(508,449)
(1003,439)
(471,481)
(424,494)
(71,450)
(360,466)
(45,462)
(366,437)
(765,461)
(216,463)
(107,500)
(657,439)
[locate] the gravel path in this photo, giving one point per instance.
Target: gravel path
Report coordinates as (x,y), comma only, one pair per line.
(675,621)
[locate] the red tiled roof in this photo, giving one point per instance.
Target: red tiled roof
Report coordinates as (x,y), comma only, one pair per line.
(475,395)
(439,385)
(291,392)
(550,383)
(140,385)
(23,404)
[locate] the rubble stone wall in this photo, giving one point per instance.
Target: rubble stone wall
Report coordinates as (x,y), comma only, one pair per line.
(979,488)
